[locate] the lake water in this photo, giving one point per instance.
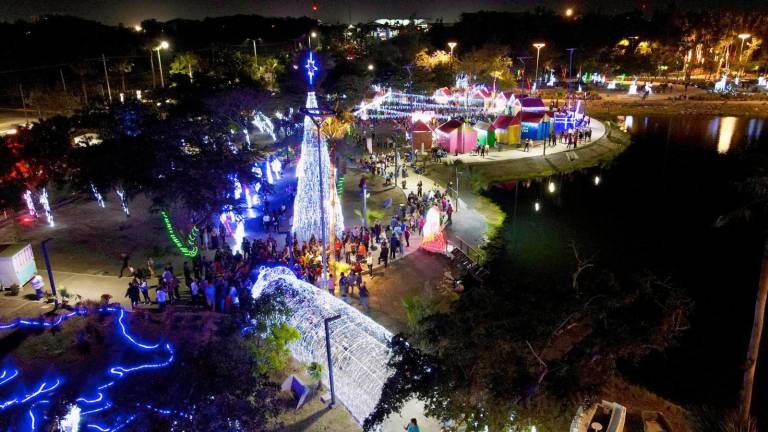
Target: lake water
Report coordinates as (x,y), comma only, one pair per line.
(653,209)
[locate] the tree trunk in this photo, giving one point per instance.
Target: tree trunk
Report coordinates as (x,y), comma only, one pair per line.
(754,341)
(85,89)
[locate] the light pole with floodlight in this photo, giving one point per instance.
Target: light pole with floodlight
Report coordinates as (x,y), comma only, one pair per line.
(452,45)
(163,45)
(538,47)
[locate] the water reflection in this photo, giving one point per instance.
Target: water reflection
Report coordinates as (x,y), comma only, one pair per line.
(720,134)
(727,128)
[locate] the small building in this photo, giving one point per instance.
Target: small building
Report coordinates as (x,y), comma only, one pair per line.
(486,134)
(507,129)
(456,137)
(534,125)
(17,264)
(532,104)
(422,136)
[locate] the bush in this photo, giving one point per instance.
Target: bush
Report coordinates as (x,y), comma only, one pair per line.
(14,289)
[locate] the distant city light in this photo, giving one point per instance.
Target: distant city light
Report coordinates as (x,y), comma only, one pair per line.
(569,12)
(138,28)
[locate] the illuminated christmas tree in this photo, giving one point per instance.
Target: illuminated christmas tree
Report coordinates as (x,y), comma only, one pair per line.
(307,219)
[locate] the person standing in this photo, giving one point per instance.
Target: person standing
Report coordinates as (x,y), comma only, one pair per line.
(151,267)
(161,298)
(412,426)
(133,293)
(194,289)
(37,285)
(369,261)
(344,288)
(384,254)
(449,212)
(364,297)
(144,287)
(126,256)
(187,275)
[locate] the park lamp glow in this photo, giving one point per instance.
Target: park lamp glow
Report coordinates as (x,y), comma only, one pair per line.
(597,180)
(551,187)
(536,206)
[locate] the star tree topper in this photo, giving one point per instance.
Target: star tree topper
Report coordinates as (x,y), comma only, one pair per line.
(311,68)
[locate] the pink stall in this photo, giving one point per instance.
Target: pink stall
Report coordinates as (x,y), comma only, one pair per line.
(456,137)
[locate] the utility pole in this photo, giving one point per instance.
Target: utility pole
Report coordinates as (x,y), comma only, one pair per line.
(326,323)
(570,67)
(44,245)
(255,53)
(63,83)
(23,105)
(152,66)
(160,68)
(106,77)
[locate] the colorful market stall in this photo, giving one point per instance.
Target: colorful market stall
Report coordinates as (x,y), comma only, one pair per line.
(532,105)
(422,136)
(17,264)
(486,134)
(534,125)
(563,121)
(456,137)
(507,129)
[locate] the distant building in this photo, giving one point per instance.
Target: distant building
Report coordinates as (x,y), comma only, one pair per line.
(387,28)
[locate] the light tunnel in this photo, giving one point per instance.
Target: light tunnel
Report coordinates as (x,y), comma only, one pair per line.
(358,344)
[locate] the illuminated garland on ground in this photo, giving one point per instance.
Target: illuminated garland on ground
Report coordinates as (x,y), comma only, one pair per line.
(97,196)
(91,402)
(340,186)
(190,251)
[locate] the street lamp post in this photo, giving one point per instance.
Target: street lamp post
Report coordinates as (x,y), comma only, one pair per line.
(452,45)
(326,323)
(163,45)
(538,47)
(309,39)
(743,37)
(44,245)
(570,67)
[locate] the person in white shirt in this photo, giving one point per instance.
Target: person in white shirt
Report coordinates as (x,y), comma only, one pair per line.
(38,284)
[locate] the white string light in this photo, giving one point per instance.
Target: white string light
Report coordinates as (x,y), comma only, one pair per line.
(306,217)
(46,207)
(358,344)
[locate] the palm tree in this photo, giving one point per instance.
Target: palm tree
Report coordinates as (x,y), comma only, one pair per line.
(757,208)
(123,66)
(82,69)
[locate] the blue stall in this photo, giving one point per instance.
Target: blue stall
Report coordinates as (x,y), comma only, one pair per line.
(534,125)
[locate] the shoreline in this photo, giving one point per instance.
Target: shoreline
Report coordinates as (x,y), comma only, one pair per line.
(606,108)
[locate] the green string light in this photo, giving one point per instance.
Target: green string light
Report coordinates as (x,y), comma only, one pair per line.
(340,186)
(190,251)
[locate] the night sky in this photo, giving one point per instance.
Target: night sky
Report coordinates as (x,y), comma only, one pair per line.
(131,12)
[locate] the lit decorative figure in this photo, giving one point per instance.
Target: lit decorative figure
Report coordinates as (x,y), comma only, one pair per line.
(97,196)
(264,125)
(277,167)
(268,169)
(71,421)
(433,240)
(358,344)
(123,201)
(761,81)
(462,81)
(633,88)
(235,226)
(720,86)
(30,203)
(306,217)
(46,207)
(649,88)
(736,81)
(612,85)
(552,80)
(579,89)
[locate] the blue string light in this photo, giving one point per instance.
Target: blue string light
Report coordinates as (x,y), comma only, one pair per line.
(96,400)
(311,68)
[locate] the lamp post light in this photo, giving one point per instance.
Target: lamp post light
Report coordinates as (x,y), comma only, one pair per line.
(163,45)
(309,39)
(326,323)
(370,66)
(452,45)
(538,46)
(743,37)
